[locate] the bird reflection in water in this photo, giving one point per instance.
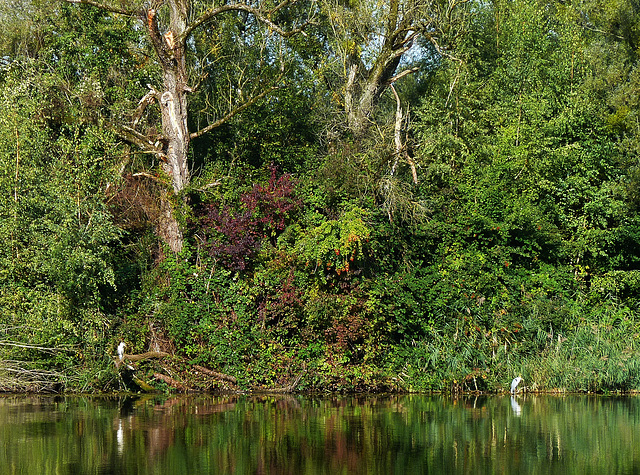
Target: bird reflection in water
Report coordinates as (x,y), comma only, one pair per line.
(517,410)
(120,437)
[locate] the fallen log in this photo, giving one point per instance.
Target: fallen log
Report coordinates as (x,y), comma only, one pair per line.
(215,374)
(142,385)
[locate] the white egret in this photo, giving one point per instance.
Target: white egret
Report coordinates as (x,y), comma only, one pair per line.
(514,384)
(121,350)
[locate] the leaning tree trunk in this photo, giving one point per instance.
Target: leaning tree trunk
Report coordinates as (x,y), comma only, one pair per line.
(364,89)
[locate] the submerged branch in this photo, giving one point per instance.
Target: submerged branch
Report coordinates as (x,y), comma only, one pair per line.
(18,376)
(290,388)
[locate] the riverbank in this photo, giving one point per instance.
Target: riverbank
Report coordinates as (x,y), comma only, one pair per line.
(593,358)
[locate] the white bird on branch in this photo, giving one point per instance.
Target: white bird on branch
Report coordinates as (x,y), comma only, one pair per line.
(121,350)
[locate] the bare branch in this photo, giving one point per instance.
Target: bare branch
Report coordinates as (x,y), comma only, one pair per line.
(199,83)
(407,42)
(402,74)
(147,355)
(441,51)
(401,148)
(142,141)
(24,376)
(210,185)
(18,344)
(260,15)
(143,103)
(136,137)
(105,7)
(402,46)
(590,27)
(397,129)
(150,176)
(234,112)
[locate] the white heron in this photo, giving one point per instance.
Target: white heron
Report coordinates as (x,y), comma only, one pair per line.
(514,384)
(121,350)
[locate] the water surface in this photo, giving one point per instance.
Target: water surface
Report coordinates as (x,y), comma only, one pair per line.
(332,435)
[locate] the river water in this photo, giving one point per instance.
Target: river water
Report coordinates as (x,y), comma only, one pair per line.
(256,434)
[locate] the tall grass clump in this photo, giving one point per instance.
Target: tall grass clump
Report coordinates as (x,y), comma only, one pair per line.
(595,351)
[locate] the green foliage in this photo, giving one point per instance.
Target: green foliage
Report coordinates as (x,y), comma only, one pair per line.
(336,244)
(60,252)
(516,252)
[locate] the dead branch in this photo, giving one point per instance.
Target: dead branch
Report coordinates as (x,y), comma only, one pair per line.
(141,141)
(34,347)
(235,111)
(143,104)
(397,129)
(216,375)
(150,176)
(404,73)
(18,376)
(434,41)
(209,185)
(401,149)
(146,356)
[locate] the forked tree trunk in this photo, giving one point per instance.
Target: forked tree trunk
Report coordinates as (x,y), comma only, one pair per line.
(365,86)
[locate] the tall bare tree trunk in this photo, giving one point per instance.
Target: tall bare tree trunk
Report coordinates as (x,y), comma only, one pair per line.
(169,42)
(173,104)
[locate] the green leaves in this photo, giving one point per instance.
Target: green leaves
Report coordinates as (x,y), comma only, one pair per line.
(336,244)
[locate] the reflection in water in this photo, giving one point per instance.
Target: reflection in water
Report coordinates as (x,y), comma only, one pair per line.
(120,436)
(515,406)
(338,434)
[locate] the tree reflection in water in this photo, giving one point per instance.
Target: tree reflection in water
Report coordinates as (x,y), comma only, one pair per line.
(338,434)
